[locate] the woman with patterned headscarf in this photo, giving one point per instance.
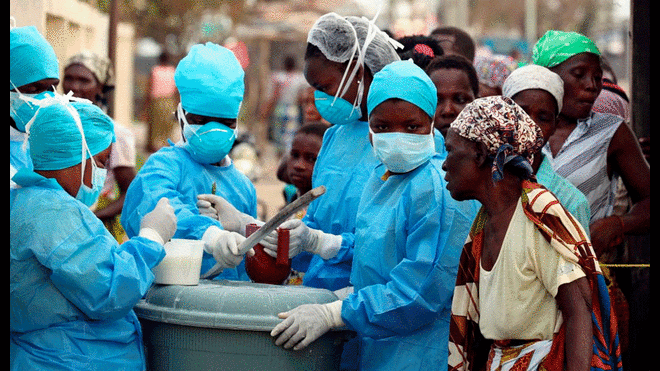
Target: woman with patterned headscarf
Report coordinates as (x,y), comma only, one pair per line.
(522,298)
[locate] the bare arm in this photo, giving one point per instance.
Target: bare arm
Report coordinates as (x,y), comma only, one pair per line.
(574,300)
(625,157)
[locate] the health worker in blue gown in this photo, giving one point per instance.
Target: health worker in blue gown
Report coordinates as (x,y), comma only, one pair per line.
(72,287)
(210,82)
(408,238)
(33,74)
(341,57)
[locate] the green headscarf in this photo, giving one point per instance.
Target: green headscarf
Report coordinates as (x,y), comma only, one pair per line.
(557,46)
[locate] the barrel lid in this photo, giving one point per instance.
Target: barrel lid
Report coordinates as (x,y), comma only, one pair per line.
(223,304)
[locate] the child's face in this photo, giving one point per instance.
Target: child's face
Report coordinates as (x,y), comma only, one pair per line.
(454,93)
(395,115)
(302,156)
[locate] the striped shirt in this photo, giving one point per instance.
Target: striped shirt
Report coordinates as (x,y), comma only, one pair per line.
(582,160)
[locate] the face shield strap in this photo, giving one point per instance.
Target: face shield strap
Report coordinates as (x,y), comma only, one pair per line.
(372,31)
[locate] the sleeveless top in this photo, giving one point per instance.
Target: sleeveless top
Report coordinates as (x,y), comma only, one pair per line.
(582,160)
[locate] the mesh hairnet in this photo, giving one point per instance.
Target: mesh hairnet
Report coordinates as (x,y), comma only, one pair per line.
(336,37)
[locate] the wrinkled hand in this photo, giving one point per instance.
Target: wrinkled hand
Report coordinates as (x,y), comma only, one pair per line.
(159,222)
(223,245)
(218,208)
(306,323)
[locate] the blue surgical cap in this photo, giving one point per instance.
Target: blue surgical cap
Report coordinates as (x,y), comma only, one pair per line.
(403,80)
(55,140)
(31,57)
(210,81)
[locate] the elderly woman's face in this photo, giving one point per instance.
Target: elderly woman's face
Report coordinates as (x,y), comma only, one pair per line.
(82,82)
(461,167)
(582,75)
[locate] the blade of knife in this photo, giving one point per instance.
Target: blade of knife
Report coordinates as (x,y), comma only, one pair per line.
(272,224)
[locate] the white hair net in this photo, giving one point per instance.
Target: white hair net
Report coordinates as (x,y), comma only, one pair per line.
(341,39)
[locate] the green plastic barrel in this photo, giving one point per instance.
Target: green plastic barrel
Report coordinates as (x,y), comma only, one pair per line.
(225,325)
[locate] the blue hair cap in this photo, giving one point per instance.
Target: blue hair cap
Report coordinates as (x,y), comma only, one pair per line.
(210,81)
(403,80)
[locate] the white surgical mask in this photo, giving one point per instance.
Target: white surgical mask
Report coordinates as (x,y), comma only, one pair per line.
(403,152)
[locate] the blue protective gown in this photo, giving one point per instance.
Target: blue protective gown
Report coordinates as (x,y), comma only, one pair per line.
(172,173)
(71,286)
(19,158)
(409,236)
(343,166)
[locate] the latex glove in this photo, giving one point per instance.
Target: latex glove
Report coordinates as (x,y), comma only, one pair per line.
(160,223)
(223,245)
(218,208)
(343,293)
(301,237)
(306,323)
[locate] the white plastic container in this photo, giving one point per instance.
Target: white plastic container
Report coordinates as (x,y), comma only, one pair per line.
(182,263)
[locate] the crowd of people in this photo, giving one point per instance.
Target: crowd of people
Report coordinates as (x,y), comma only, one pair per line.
(470,201)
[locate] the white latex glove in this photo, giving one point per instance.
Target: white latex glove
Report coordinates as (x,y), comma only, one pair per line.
(306,323)
(301,237)
(218,208)
(223,245)
(343,293)
(160,223)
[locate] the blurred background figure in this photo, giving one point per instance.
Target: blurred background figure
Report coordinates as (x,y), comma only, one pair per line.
(90,76)
(454,40)
(281,110)
(421,49)
(160,104)
(492,70)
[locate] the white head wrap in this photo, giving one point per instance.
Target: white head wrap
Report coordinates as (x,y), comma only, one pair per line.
(534,77)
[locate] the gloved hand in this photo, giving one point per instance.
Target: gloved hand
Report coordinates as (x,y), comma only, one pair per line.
(223,245)
(306,323)
(301,237)
(218,208)
(159,224)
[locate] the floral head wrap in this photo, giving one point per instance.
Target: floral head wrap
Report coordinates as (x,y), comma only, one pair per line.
(100,66)
(554,47)
(510,135)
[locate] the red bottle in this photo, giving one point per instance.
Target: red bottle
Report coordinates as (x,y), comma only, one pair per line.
(263,268)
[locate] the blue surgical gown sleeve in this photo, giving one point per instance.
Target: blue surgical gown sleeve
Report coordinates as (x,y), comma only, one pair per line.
(64,260)
(168,173)
(409,236)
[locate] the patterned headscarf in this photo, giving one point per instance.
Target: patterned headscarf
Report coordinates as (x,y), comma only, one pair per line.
(510,135)
(100,66)
(554,47)
(492,70)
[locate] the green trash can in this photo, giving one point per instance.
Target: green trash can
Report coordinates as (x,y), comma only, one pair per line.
(225,325)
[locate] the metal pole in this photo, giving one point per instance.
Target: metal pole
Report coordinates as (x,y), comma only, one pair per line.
(112,45)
